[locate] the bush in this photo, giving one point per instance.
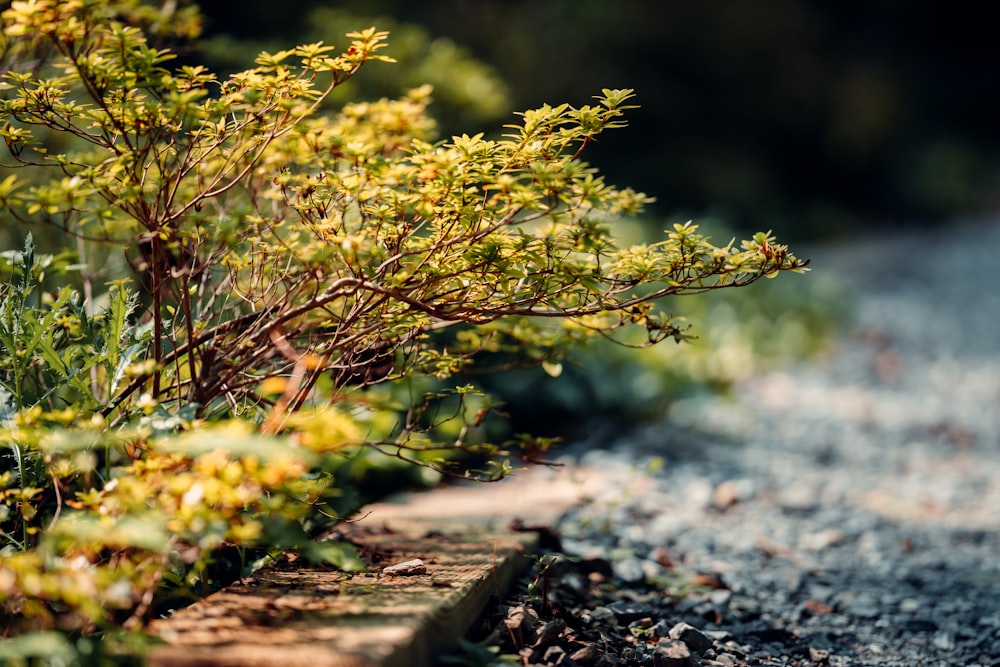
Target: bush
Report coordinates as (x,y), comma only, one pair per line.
(306,294)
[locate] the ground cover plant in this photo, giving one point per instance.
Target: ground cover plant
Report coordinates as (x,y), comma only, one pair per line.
(258,300)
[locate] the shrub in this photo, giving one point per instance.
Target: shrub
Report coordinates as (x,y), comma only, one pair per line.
(308,291)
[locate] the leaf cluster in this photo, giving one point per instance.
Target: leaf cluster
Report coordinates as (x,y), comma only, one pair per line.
(308,290)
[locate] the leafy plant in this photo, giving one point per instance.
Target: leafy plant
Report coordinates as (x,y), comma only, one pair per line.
(309,290)
(57,351)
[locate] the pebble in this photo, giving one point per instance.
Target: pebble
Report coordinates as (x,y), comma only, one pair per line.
(407,569)
(602,615)
(627,612)
(672,653)
(692,637)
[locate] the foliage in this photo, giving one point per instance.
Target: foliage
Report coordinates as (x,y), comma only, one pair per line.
(310,290)
(738,334)
(85,358)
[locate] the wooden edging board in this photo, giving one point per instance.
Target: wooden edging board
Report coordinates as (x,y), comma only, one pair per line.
(289,616)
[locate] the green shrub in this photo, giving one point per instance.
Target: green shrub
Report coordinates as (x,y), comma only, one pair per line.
(307,293)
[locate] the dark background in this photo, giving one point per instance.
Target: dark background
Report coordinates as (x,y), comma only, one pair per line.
(815,119)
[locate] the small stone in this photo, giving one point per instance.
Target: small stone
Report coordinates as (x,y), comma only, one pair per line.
(586,655)
(626,612)
(736,649)
(660,629)
(820,655)
(712,581)
(800,497)
(725,496)
(864,606)
(718,636)
(523,622)
(944,641)
(816,608)
(694,638)
(989,621)
(821,539)
(629,570)
(672,653)
(554,655)
(406,569)
(550,632)
(720,598)
(698,493)
(601,615)
(732,492)
(745,608)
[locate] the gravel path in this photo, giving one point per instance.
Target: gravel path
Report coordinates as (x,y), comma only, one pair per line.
(839,513)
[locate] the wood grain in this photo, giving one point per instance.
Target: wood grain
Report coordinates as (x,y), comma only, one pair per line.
(316,617)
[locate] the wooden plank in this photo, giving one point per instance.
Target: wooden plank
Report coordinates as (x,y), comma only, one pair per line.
(325,618)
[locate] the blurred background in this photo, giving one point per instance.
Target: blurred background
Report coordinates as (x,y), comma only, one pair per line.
(815,119)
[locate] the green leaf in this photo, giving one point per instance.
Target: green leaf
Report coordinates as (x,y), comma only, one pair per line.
(339,554)
(553,368)
(144,532)
(53,647)
(124,361)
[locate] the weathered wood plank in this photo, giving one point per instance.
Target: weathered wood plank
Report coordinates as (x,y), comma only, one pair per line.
(325,618)
(321,618)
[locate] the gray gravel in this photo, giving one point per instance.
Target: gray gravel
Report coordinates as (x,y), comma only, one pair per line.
(845,512)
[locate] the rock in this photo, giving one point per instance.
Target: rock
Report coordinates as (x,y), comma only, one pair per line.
(522,622)
(864,605)
(601,615)
(626,612)
(819,655)
(694,638)
(661,629)
(721,598)
(944,641)
(718,636)
(629,569)
(554,655)
(586,655)
(800,497)
(698,493)
(732,492)
(408,569)
(550,632)
(821,539)
(672,653)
